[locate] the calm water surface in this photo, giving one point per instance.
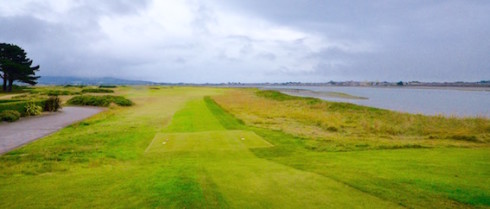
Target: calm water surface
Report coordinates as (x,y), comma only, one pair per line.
(432,101)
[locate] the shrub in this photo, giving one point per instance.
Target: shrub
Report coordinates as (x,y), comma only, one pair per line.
(102,101)
(9,115)
(52,104)
(20,106)
(53,92)
(121,101)
(8,101)
(470,138)
(33,109)
(70,85)
(24,97)
(97,91)
(88,100)
(107,86)
(57,92)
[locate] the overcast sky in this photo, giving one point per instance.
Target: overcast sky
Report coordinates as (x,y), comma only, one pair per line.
(253,40)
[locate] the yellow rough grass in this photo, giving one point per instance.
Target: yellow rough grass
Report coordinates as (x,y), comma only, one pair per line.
(330,122)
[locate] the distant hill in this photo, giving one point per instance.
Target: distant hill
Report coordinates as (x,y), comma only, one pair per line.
(68,80)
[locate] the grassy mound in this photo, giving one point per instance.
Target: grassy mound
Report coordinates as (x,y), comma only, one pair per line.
(101,101)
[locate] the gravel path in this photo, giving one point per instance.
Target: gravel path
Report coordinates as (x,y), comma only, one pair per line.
(28,129)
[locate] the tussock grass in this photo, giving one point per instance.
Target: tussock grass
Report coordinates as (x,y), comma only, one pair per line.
(344,126)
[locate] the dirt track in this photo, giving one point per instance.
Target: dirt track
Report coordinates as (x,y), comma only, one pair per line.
(13,135)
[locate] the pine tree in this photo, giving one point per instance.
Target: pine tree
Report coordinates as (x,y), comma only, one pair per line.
(15,66)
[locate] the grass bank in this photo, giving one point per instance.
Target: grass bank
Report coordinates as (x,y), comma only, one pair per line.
(182,147)
(334,126)
(440,177)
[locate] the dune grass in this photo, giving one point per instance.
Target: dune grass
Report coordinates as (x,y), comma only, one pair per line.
(310,93)
(334,126)
(178,148)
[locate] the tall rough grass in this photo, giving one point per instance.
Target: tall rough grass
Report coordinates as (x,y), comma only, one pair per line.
(344,126)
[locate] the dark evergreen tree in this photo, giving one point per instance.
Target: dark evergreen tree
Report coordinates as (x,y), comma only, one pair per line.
(15,66)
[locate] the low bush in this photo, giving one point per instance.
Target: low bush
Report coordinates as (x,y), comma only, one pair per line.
(33,109)
(102,101)
(54,92)
(9,115)
(97,90)
(20,105)
(121,101)
(59,92)
(470,138)
(8,101)
(70,85)
(332,129)
(107,86)
(24,97)
(52,104)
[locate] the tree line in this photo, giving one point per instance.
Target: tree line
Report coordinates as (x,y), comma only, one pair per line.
(16,67)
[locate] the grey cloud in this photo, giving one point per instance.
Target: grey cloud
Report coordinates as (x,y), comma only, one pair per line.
(22,29)
(424,40)
(365,40)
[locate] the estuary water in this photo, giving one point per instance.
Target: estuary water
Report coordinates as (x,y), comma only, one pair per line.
(428,101)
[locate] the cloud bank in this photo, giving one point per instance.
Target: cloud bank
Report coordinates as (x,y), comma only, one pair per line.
(253,41)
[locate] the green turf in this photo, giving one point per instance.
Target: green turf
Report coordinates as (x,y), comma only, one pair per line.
(176,148)
(194,117)
(196,136)
(207,140)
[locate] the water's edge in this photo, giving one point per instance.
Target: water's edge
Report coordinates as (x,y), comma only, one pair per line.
(427,101)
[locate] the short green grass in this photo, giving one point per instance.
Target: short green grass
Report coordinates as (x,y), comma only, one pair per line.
(197,136)
(177,148)
(206,140)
